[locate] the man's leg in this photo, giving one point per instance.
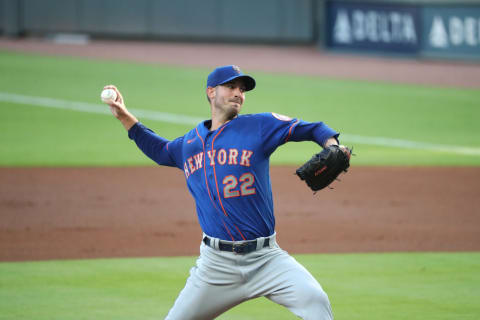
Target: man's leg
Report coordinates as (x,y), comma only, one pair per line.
(285,281)
(212,288)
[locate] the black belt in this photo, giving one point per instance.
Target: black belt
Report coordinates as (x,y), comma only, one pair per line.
(240,248)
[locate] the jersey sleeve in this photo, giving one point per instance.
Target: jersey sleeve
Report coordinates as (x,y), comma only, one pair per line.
(278,129)
(160,150)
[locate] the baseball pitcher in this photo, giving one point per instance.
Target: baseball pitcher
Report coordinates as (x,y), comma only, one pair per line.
(225,161)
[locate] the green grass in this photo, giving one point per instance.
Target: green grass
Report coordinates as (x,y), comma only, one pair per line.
(38,136)
(368,286)
(432,286)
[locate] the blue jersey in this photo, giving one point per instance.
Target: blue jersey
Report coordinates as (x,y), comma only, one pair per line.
(227,170)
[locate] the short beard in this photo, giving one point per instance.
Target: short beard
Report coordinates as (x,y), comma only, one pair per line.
(231,113)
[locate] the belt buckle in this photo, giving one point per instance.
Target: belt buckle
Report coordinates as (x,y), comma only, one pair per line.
(239,248)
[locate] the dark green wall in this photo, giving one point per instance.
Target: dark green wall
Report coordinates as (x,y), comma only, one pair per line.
(217,20)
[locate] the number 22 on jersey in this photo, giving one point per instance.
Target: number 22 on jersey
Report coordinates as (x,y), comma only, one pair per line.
(230,189)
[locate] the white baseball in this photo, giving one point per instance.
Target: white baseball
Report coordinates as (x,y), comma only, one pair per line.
(108,95)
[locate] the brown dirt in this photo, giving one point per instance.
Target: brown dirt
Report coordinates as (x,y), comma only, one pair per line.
(63,213)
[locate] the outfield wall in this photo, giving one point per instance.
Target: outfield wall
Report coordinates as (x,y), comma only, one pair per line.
(277,21)
(411,28)
(425,28)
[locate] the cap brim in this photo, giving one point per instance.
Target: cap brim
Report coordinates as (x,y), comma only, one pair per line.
(249,81)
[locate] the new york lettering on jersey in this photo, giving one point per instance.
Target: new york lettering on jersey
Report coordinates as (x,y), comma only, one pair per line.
(227,170)
(231,156)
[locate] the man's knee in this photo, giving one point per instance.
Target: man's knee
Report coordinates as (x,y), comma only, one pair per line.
(318,297)
(316,304)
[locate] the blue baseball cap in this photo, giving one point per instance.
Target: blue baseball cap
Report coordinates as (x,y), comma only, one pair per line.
(222,75)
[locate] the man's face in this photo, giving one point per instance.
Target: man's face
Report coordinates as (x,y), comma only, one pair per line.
(229,98)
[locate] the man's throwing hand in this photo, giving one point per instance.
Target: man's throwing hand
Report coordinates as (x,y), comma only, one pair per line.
(117,105)
(119,110)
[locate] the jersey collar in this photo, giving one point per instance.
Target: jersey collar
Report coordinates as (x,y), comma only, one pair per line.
(204,126)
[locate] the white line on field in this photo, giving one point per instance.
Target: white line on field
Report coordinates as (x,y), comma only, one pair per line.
(181,119)
(95,108)
(399,143)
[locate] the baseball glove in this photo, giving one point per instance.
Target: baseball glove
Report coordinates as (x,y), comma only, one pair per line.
(324,167)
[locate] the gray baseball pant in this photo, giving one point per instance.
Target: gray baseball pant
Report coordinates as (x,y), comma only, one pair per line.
(221,280)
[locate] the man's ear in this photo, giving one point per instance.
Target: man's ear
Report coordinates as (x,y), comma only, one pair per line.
(211,92)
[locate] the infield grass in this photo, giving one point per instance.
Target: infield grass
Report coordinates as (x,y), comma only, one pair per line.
(434,286)
(39,136)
